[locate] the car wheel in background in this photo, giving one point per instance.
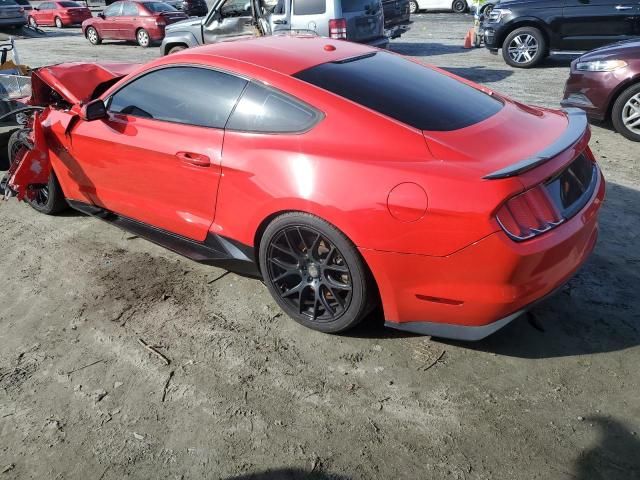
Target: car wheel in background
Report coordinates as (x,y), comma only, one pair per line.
(314,273)
(524,47)
(142,36)
(33,23)
(93,36)
(58,22)
(176,49)
(413,7)
(459,6)
(625,114)
(47,199)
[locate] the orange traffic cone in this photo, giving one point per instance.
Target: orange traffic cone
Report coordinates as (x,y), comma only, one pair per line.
(468,39)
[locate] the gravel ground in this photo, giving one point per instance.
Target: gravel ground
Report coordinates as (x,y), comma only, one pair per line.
(249,392)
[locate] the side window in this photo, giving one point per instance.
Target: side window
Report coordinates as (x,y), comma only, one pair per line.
(188,95)
(267,111)
(309,7)
(45,6)
(130,10)
(113,10)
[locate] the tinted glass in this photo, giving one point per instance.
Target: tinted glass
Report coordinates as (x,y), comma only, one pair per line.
(309,7)
(129,10)
(404,90)
(42,6)
(23,2)
(69,4)
(113,10)
(359,5)
(189,95)
(159,7)
(263,110)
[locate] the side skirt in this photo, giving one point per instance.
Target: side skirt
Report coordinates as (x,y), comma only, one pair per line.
(216,250)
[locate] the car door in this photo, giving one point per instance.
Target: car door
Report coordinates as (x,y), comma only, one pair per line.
(589,24)
(280,16)
(229,20)
(126,22)
(108,26)
(45,14)
(156,157)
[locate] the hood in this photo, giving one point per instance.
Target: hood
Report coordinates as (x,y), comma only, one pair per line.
(516,134)
(76,82)
(627,50)
(188,23)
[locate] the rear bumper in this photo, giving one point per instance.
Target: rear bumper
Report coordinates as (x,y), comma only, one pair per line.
(479,289)
(13,22)
(74,20)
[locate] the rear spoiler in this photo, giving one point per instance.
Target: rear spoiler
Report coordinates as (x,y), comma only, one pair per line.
(575,131)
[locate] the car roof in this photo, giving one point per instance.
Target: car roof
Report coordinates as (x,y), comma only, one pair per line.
(286,54)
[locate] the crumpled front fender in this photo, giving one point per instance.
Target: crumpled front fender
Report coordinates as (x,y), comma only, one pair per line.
(34,167)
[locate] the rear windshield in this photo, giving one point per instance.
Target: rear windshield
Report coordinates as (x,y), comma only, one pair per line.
(7,3)
(69,4)
(411,93)
(359,5)
(159,7)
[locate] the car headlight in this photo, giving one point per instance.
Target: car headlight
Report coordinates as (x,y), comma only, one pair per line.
(497,14)
(600,65)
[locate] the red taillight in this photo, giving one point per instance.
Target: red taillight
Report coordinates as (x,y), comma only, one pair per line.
(529,214)
(161,22)
(338,28)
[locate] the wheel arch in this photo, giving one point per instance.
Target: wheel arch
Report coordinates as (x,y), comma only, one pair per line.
(525,22)
(619,90)
(269,218)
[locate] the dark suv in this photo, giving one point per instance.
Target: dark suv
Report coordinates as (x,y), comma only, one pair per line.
(529,30)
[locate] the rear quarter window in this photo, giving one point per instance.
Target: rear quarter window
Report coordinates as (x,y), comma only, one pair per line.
(309,7)
(263,110)
(406,91)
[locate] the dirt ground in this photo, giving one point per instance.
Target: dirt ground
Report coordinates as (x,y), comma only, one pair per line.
(250,394)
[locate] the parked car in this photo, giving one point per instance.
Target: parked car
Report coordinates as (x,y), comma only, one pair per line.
(605,83)
(142,21)
(11,14)
(458,6)
(355,20)
(397,17)
(527,31)
(61,14)
(244,155)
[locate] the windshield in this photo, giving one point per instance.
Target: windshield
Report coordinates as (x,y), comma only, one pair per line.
(399,88)
(159,7)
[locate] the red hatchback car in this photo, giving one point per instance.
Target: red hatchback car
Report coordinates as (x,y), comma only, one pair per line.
(61,14)
(141,21)
(343,175)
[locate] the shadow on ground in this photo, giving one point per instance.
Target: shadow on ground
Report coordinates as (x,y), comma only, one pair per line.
(480,74)
(289,474)
(615,456)
(430,49)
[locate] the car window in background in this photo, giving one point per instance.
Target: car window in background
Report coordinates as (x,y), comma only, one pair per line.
(69,4)
(411,93)
(188,95)
(267,111)
(7,3)
(309,7)
(23,2)
(359,5)
(113,10)
(130,10)
(158,7)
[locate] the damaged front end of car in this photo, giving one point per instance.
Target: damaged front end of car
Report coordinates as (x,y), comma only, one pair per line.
(67,87)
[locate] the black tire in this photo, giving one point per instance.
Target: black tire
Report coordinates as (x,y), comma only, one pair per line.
(413,7)
(49,198)
(332,284)
(58,22)
(626,106)
(93,36)
(459,6)
(176,49)
(525,47)
(143,38)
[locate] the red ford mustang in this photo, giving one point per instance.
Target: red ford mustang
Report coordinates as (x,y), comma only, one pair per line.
(342,175)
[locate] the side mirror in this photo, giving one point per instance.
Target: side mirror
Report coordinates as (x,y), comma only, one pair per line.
(101,15)
(94,110)
(36,8)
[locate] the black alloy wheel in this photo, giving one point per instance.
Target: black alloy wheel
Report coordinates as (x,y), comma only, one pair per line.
(315,273)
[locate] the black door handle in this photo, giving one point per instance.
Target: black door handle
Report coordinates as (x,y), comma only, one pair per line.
(280,22)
